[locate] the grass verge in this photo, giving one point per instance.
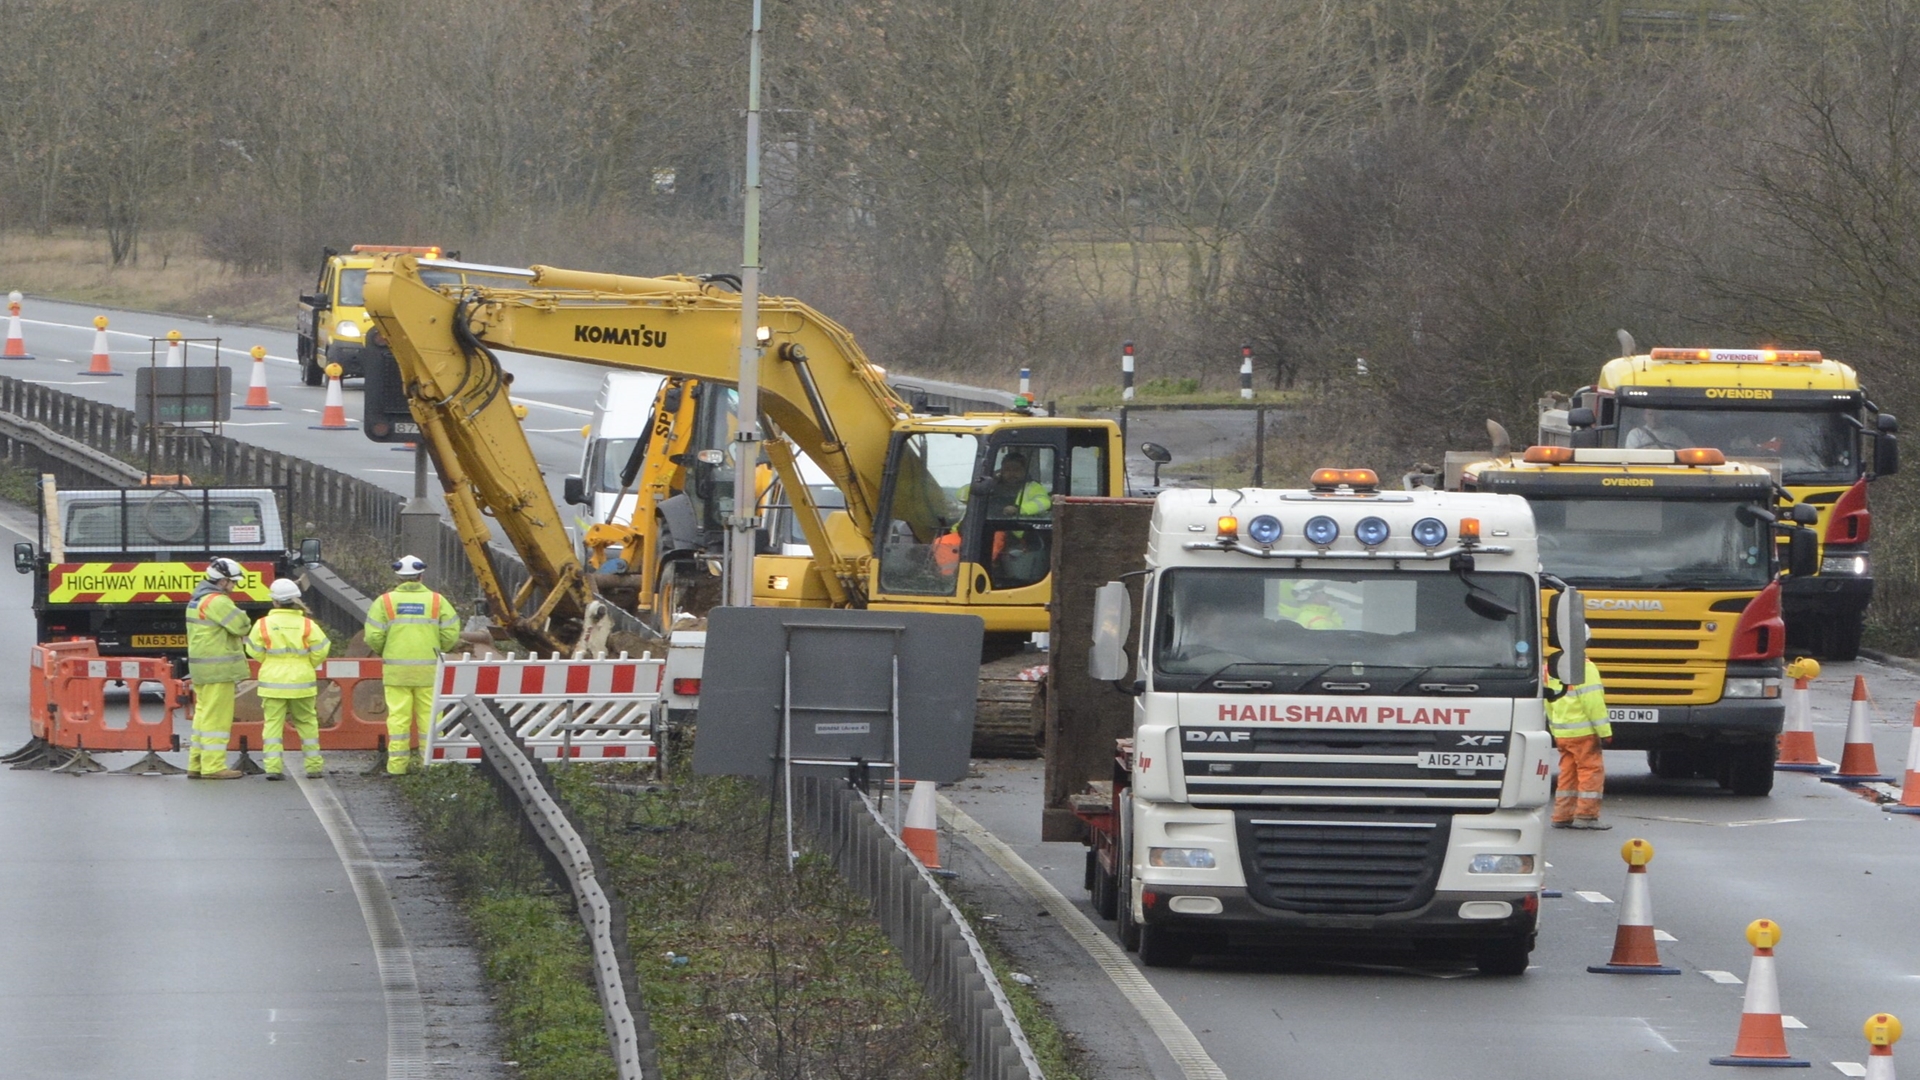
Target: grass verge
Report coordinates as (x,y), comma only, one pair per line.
(171,276)
(747,969)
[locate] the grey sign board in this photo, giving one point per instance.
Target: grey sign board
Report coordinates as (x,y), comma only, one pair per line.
(830,675)
(183,395)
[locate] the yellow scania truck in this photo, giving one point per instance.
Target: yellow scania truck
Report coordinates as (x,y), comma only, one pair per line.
(1675,555)
(1796,405)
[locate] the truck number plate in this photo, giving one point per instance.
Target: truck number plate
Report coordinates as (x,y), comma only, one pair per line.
(159,641)
(1451,759)
(1633,716)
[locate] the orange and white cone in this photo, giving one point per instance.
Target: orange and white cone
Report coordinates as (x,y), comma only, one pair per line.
(921,831)
(1882,1031)
(1910,787)
(257,388)
(176,349)
(102,363)
(1763,1038)
(1634,950)
(16,341)
(333,416)
(1797,751)
(1857,765)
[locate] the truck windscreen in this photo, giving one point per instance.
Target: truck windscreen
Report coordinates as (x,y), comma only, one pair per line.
(1815,446)
(1651,543)
(1287,628)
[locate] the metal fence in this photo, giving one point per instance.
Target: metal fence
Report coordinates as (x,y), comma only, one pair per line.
(923,923)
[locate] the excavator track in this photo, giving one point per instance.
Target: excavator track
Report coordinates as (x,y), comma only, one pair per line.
(1010,707)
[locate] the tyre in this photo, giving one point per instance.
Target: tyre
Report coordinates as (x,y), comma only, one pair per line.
(1749,769)
(1123,884)
(1503,957)
(1106,894)
(1840,636)
(312,374)
(1674,764)
(1093,864)
(1161,947)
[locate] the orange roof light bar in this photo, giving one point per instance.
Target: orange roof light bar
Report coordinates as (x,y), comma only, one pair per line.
(1357,479)
(1548,455)
(1228,525)
(1470,529)
(395,249)
(1700,455)
(1740,356)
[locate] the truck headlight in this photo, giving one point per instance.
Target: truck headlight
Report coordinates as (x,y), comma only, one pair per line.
(346,328)
(1186,858)
(1501,864)
(1855,565)
(1751,688)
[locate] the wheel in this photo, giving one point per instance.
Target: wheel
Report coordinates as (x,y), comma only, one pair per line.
(1505,956)
(1674,764)
(1840,636)
(1161,947)
(1093,864)
(1749,769)
(1106,894)
(1123,885)
(312,374)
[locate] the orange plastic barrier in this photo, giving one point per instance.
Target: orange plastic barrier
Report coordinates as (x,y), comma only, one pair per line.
(347,729)
(68,697)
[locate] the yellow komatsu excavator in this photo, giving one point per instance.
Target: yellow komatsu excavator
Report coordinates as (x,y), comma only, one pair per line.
(942,513)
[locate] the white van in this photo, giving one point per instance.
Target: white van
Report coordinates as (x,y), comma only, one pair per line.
(621,414)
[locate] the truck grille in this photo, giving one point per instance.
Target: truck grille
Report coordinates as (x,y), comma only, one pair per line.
(1329,767)
(1349,863)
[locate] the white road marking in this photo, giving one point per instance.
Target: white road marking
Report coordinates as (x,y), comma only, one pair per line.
(1594,897)
(1791,1022)
(145,337)
(397,472)
(253,423)
(551,430)
(1174,1034)
(1722,824)
(1724,978)
(1850,1068)
(554,405)
(1662,935)
(1655,1032)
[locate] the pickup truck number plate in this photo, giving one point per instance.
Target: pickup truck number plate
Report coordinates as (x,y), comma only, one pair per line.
(1633,716)
(1450,759)
(159,641)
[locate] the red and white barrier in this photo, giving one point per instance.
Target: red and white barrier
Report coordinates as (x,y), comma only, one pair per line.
(588,710)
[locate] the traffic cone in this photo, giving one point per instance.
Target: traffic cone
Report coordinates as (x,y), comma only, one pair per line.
(257,388)
(1910,787)
(920,832)
(102,362)
(1857,765)
(1634,950)
(16,343)
(1882,1031)
(1762,1039)
(333,416)
(1797,751)
(176,349)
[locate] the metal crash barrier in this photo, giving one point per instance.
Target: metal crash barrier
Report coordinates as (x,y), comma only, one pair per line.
(589,710)
(70,717)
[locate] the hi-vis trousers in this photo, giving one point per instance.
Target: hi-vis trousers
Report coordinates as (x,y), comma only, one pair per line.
(1583,779)
(409,711)
(212,727)
(306,726)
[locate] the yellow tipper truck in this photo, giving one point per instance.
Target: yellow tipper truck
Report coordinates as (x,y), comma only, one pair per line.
(1675,555)
(1795,405)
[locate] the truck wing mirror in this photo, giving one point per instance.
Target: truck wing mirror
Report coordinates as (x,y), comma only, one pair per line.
(1886,424)
(1803,553)
(1107,658)
(1886,450)
(1567,631)
(575,491)
(317,301)
(1581,417)
(1156,453)
(310,551)
(23,557)
(1804,514)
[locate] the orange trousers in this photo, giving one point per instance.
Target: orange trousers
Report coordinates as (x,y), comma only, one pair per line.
(1583,779)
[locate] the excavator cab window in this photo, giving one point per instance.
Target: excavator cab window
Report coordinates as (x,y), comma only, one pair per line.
(920,534)
(710,459)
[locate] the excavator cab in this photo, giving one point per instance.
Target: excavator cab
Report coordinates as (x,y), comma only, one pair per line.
(966,514)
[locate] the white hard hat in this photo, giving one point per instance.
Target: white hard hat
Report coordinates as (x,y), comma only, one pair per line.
(409,566)
(225,570)
(284,590)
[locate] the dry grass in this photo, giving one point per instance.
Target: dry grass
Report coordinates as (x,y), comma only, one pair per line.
(172,276)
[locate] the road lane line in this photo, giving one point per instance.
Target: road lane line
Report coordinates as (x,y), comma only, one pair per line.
(1791,1022)
(1593,897)
(144,337)
(1173,1032)
(1662,935)
(1724,978)
(406,1015)
(1850,1068)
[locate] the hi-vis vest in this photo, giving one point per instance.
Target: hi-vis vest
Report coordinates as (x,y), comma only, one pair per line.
(289,647)
(408,628)
(1582,710)
(216,630)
